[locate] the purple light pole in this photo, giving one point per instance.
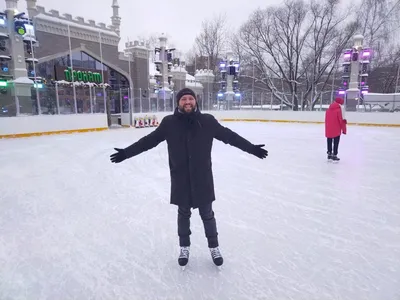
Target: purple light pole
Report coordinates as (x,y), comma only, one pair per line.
(355,73)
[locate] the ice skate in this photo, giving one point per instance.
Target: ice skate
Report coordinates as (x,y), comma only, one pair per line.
(335,158)
(216,257)
(329,156)
(184,257)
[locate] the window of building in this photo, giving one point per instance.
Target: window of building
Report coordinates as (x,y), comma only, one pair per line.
(91,63)
(77,59)
(83,61)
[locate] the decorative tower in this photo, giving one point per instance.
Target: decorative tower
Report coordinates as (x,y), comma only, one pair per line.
(31,8)
(21,39)
(116,19)
(163,62)
(358,59)
(229,90)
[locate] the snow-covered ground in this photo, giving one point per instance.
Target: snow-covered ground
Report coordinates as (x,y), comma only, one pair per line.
(75,226)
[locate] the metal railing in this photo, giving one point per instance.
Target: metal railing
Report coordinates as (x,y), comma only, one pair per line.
(53,100)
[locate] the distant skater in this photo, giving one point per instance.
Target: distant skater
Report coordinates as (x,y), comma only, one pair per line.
(335,125)
(189,135)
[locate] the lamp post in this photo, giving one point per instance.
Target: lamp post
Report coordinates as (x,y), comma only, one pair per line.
(163,66)
(229,89)
(131,94)
(355,73)
(16,26)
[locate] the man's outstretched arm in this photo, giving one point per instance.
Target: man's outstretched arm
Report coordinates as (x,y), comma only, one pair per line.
(230,137)
(144,144)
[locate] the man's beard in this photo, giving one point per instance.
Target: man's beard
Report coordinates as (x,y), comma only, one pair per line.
(187,108)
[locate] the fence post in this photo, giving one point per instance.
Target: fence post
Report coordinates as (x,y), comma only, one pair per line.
(58,100)
(140,99)
(272,97)
(148,95)
(301,101)
(320,103)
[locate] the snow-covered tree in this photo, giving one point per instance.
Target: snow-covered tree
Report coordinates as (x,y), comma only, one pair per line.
(297,45)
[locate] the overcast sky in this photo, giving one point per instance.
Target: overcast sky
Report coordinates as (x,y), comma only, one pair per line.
(180,19)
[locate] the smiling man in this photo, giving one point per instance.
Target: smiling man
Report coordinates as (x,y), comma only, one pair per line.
(189,135)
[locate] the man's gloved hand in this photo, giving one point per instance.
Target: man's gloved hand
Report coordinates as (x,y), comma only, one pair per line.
(259,151)
(118,156)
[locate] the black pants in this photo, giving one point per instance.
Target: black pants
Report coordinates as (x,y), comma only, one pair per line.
(210,225)
(335,141)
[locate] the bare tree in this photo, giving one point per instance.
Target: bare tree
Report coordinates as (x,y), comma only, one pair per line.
(329,36)
(296,46)
(190,56)
(383,77)
(245,59)
(275,37)
(378,23)
(212,40)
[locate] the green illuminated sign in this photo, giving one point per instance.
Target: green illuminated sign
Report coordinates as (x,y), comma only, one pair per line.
(3,83)
(21,30)
(84,76)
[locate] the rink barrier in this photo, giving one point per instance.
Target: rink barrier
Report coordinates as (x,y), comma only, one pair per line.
(304,122)
(28,126)
(39,125)
(269,121)
(31,134)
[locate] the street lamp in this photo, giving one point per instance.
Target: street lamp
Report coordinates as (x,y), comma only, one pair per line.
(132,96)
(355,64)
(16,25)
(163,62)
(229,85)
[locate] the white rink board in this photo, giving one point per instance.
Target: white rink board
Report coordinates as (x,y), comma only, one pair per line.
(305,116)
(44,123)
(50,123)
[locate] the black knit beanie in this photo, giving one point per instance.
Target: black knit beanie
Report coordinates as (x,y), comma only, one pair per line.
(183,92)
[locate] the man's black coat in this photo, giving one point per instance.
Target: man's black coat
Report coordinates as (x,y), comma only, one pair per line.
(190,139)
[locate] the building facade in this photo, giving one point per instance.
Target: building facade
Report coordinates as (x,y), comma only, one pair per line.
(63,64)
(77,65)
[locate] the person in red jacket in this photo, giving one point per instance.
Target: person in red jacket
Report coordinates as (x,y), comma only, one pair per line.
(335,125)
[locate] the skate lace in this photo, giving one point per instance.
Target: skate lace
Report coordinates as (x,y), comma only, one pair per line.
(215,253)
(184,252)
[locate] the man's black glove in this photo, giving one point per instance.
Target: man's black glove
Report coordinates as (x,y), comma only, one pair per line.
(259,151)
(119,156)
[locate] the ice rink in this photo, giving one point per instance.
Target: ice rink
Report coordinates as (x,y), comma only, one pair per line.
(292,226)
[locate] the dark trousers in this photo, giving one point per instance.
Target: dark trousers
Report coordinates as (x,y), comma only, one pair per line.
(335,141)
(210,225)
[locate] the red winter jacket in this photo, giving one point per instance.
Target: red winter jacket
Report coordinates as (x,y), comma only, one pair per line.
(334,122)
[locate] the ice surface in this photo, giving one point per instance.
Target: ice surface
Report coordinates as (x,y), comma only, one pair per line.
(75,226)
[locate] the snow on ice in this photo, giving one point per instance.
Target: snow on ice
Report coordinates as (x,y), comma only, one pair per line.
(75,226)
